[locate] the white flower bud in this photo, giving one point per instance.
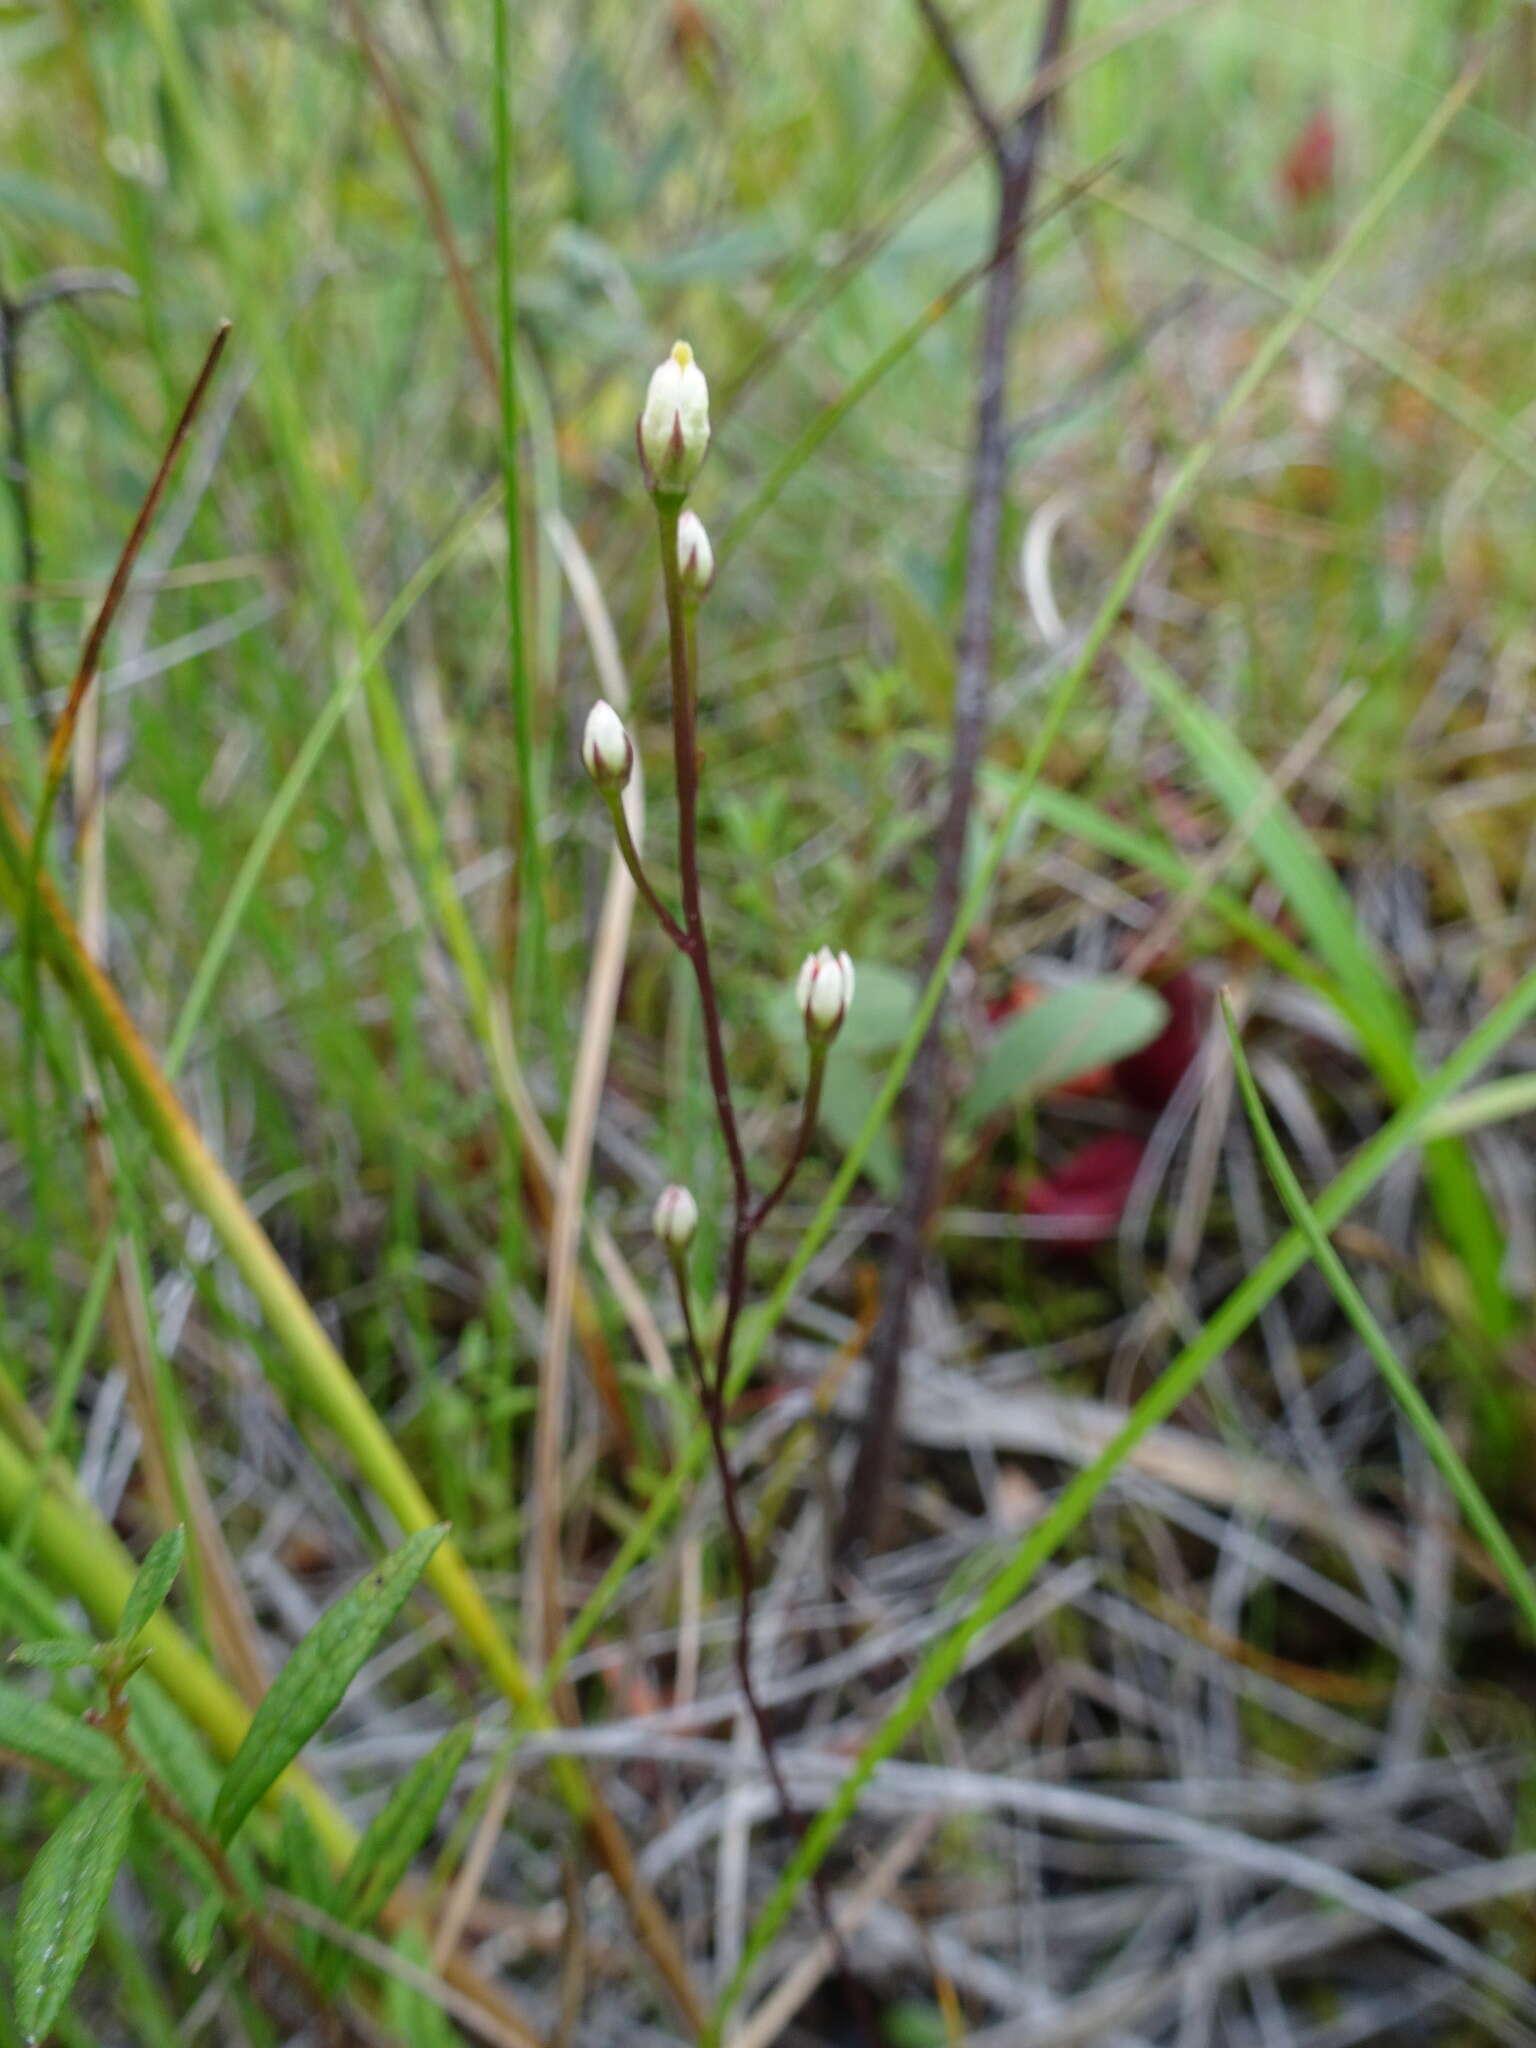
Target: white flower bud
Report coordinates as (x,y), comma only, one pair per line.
(676,1218)
(606,752)
(824,991)
(695,556)
(674,428)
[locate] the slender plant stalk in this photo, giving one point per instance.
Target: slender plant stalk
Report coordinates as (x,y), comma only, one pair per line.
(694,1453)
(530,884)
(1016,154)
(690,935)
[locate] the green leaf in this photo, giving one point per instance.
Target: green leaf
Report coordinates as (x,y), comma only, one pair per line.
(63,1898)
(409,2014)
(156,1576)
(1084,1024)
(311,1685)
(37,1729)
(68,1655)
(391,1842)
(398,1832)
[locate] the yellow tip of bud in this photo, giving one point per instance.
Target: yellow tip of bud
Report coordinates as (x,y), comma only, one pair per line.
(682,354)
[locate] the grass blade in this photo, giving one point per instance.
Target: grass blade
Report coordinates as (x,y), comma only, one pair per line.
(312,1684)
(1447,1459)
(1373,1005)
(530,873)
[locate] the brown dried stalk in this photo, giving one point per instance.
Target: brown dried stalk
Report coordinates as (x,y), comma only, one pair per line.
(1015,152)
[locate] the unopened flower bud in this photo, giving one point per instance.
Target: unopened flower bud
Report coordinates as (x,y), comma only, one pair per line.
(606,751)
(674,427)
(824,991)
(676,1218)
(695,556)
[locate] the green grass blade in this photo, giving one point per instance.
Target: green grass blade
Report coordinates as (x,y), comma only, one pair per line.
(1447,1459)
(280,810)
(1276,837)
(1458,401)
(1322,906)
(534,946)
(66,1382)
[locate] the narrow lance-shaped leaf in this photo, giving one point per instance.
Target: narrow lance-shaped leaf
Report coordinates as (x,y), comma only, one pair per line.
(63,1898)
(156,1576)
(311,1685)
(399,1831)
(70,1654)
(393,1839)
(37,1729)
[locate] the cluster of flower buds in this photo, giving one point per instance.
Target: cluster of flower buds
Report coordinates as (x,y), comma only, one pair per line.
(676,1218)
(824,992)
(674,427)
(607,752)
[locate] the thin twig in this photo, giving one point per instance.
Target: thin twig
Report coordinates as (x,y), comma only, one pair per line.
(869,1487)
(948,46)
(90,659)
(431,193)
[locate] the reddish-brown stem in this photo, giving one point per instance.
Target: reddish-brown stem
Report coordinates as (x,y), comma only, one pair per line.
(630,853)
(58,749)
(694,942)
(712,1401)
(686,757)
(808,1115)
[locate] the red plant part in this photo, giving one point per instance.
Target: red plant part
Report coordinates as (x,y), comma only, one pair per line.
(1149,1077)
(1088,1192)
(1308,166)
